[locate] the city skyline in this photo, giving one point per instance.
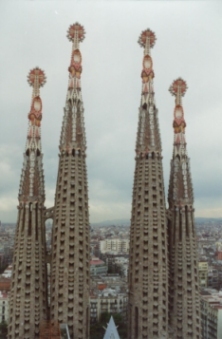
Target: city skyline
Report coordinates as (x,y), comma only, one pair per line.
(188,47)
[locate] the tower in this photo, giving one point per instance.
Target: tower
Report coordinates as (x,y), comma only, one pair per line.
(111,330)
(148,265)
(70,239)
(183,283)
(28,297)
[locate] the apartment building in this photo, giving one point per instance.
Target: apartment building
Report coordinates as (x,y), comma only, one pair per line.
(107,301)
(114,246)
(211,314)
(3,306)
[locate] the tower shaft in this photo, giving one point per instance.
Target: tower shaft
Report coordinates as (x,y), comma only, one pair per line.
(70,241)
(184,308)
(28,297)
(148,266)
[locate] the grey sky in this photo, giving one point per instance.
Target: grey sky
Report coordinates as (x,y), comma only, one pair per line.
(189,36)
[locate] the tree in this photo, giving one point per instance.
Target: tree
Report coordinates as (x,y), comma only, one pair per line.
(3,329)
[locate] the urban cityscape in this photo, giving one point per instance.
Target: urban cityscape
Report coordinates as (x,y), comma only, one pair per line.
(157,274)
(109,266)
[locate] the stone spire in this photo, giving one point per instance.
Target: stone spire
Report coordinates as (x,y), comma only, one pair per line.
(70,240)
(73,131)
(183,283)
(148,266)
(28,297)
(111,330)
(148,136)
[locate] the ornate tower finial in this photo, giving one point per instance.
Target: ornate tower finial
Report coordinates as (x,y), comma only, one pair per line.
(73,130)
(147,40)
(148,137)
(36,79)
(76,34)
(178,89)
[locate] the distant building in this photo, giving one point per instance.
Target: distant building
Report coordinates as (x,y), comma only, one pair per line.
(211,314)
(110,281)
(203,273)
(109,301)
(117,263)
(123,263)
(7,272)
(219,255)
(4,306)
(213,277)
(98,267)
(5,284)
(101,286)
(114,246)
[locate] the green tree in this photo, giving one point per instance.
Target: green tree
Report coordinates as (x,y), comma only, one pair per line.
(3,266)
(3,329)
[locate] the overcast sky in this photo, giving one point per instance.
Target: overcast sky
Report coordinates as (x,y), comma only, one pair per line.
(189,45)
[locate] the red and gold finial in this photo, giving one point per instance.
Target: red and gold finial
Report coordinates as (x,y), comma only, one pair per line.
(76,31)
(36,77)
(178,87)
(147,40)
(147,36)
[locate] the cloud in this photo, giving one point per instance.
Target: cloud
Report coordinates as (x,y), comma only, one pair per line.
(188,45)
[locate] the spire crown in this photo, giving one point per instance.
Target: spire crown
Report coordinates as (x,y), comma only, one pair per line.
(76,34)
(73,130)
(76,31)
(180,189)
(178,89)
(147,40)
(36,79)
(148,139)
